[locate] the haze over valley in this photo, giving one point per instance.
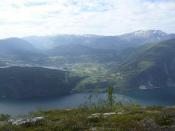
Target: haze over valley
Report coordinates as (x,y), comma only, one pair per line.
(132,61)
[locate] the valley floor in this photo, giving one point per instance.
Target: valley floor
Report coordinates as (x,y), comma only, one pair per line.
(96,118)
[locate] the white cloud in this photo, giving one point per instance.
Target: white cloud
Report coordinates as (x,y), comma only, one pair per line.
(106,17)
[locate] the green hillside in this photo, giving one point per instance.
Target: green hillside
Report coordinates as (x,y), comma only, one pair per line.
(29,82)
(150,66)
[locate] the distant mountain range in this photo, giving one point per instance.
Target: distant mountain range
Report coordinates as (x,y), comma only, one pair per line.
(102,42)
(15,46)
(88,44)
(137,60)
(149,36)
(96,46)
(15,49)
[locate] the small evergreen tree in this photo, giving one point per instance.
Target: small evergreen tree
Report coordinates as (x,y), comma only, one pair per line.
(110,99)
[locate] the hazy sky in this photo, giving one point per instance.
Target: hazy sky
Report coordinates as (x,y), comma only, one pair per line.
(104,17)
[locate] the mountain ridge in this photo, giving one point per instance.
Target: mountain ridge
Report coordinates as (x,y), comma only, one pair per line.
(56,40)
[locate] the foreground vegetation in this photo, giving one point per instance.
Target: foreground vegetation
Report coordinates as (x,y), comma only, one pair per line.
(128,117)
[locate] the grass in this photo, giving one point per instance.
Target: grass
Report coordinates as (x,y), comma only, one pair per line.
(129,117)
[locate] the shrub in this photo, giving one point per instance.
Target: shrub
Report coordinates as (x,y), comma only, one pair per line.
(4,117)
(164,119)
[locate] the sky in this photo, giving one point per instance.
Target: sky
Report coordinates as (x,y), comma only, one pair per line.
(20,18)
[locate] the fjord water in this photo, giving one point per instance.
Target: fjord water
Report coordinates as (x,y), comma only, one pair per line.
(164,97)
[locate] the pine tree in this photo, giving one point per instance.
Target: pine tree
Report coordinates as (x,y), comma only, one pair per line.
(110,96)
